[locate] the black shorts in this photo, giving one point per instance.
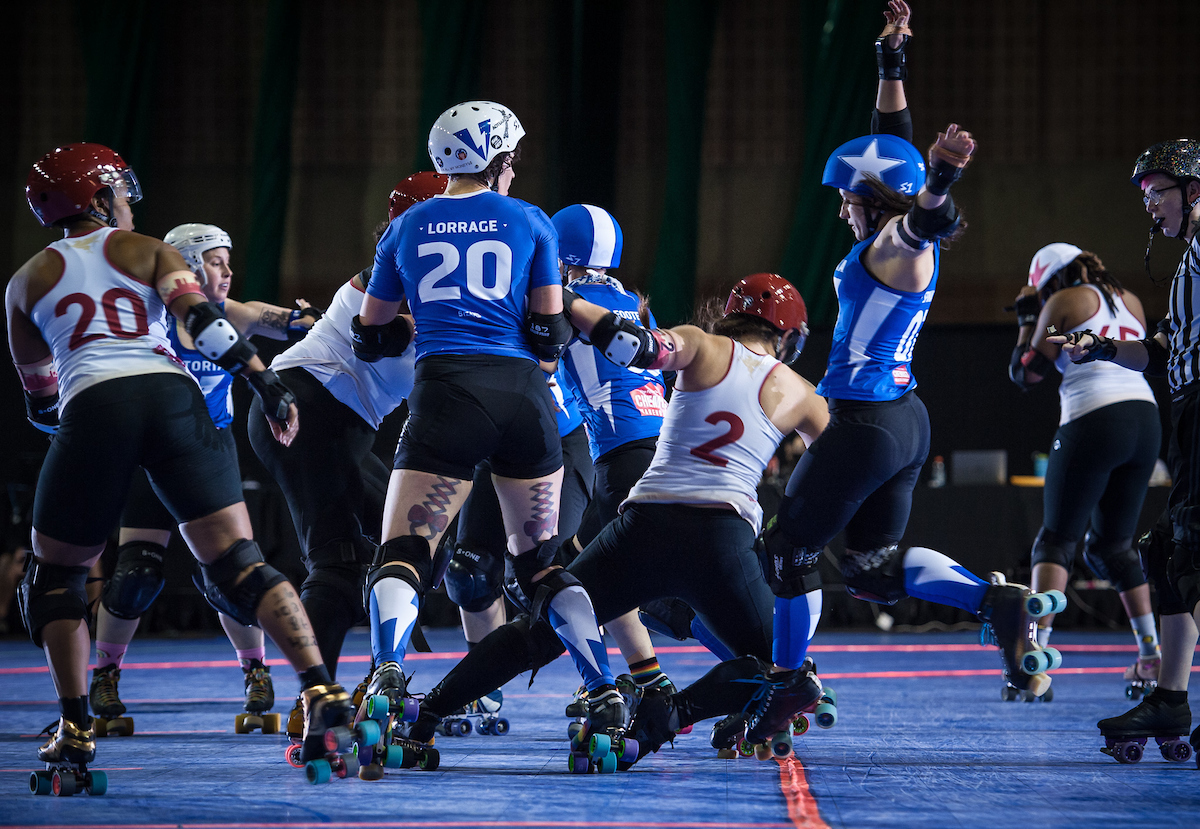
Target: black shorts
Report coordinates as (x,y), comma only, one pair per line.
(144,509)
(617,470)
(858,475)
(156,421)
(467,408)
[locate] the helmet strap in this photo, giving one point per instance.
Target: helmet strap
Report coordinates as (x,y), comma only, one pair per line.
(111,219)
(1154,231)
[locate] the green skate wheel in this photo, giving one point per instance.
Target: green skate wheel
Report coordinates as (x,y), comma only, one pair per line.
(1055,658)
(318,771)
(369,732)
(1035,662)
(378,707)
(578,763)
(96,783)
(599,746)
(607,764)
(39,782)
(429,759)
(800,725)
(826,715)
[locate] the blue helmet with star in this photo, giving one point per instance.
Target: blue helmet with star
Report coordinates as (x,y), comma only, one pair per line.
(892,160)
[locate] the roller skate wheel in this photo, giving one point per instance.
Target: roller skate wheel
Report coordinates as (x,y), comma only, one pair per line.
(1175,751)
(744,748)
(599,746)
(1040,604)
(318,771)
(485,726)
(1133,692)
(607,764)
(826,714)
(500,726)
(410,710)
(1035,662)
(240,725)
(39,782)
(828,695)
(578,763)
(338,738)
(461,728)
(369,732)
(1059,599)
(762,751)
(800,725)
(371,771)
(99,727)
(348,766)
(378,707)
(393,758)
(781,744)
(1055,658)
(727,754)
(271,723)
(576,733)
(1008,693)
(63,785)
(292,755)
(96,782)
(1127,752)
(429,759)
(627,750)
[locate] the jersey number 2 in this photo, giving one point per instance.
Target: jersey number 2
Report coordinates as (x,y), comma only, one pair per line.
(736,429)
(87,310)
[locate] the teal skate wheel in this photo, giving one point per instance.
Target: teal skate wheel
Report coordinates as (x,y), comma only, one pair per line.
(826,715)
(1059,599)
(318,771)
(393,757)
(1038,605)
(369,732)
(378,707)
(1055,658)
(1035,662)
(781,744)
(599,746)
(39,782)
(578,763)
(829,695)
(96,783)
(607,764)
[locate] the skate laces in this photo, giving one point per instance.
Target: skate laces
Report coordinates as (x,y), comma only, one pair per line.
(987,635)
(258,682)
(104,686)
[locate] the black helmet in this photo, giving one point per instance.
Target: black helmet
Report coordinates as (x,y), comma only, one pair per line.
(1179,159)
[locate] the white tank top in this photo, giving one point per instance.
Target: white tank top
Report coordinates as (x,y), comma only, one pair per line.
(100,322)
(1089,386)
(373,390)
(715,444)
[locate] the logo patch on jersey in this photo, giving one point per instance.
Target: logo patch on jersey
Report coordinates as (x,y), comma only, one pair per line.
(900,376)
(649,400)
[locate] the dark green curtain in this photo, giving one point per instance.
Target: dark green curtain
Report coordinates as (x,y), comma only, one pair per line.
(690,26)
(840,79)
(272,165)
(120,43)
(452,42)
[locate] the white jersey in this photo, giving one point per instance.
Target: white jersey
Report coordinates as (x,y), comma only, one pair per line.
(373,390)
(1086,387)
(715,444)
(99,322)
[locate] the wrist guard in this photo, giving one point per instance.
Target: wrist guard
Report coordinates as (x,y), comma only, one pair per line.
(945,168)
(373,342)
(294,318)
(629,345)
(1028,308)
(547,334)
(892,63)
(1102,348)
(42,412)
(216,338)
(1156,357)
(272,393)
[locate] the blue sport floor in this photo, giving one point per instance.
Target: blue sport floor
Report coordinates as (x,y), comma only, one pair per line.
(922,740)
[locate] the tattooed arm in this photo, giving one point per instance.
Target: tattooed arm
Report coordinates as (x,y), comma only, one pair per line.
(260,319)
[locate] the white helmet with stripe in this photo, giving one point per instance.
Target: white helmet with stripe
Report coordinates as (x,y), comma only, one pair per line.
(588,236)
(466,137)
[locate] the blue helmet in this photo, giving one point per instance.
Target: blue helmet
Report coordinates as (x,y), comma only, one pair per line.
(588,236)
(896,162)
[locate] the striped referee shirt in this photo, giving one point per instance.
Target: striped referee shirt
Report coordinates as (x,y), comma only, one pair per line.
(1182,325)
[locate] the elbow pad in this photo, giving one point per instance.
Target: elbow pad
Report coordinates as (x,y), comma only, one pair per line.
(1026,361)
(371,343)
(547,334)
(216,338)
(898,124)
(921,226)
(629,345)
(1156,358)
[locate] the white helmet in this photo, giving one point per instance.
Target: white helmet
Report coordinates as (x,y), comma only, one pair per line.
(1050,260)
(193,239)
(466,137)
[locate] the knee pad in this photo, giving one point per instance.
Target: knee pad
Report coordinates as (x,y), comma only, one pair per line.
(544,591)
(337,583)
(790,571)
(876,575)
(1183,574)
(1156,547)
(1051,548)
(136,581)
(520,570)
(1114,561)
(40,606)
(389,560)
(239,599)
(474,579)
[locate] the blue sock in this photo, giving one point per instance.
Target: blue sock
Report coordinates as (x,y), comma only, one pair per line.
(706,638)
(393,609)
(931,576)
(574,620)
(795,623)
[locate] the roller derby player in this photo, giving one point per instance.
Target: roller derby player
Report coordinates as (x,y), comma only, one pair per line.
(146,525)
(480,273)
(687,528)
(1106,445)
(1168,174)
(87,332)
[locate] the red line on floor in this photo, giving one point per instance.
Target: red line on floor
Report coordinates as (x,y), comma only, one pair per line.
(802,806)
(527,824)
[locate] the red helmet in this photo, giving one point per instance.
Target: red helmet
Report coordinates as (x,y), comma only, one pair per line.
(416,188)
(774,299)
(62,183)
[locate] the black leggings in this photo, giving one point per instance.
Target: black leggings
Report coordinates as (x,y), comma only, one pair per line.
(335,489)
(617,470)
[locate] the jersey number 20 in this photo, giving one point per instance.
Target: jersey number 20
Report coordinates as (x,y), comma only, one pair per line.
(428,289)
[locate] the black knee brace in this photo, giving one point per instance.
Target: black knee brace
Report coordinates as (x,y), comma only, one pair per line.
(875,575)
(39,606)
(1114,561)
(389,560)
(790,571)
(136,581)
(1156,547)
(239,599)
(341,552)
(1051,548)
(529,564)
(474,580)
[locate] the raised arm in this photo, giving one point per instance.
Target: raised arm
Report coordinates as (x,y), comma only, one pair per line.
(891,106)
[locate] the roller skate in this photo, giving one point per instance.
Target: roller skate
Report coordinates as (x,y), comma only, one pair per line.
(478,715)
(1195,743)
(1125,736)
(599,743)
(106,704)
(386,704)
(823,710)
(66,755)
(780,701)
(1142,676)
(1008,612)
(260,698)
(328,734)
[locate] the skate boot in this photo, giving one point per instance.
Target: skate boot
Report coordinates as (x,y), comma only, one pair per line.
(106,704)
(600,744)
(480,715)
(1008,612)
(1125,736)
(778,703)
(328,734)
(66,755)
(260,698)
(387,692)
(657,719)
(1142,676)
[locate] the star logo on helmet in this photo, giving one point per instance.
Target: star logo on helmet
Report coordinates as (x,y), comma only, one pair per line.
(869,162)
(1035,274)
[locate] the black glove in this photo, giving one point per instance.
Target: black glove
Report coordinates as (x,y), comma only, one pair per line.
(1102,348)
(374,342)
(1028,308)
(272,393)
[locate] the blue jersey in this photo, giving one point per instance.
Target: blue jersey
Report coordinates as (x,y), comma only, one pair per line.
(566,407)
(876,331)
(619,405)
(215,382)
(466,265)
